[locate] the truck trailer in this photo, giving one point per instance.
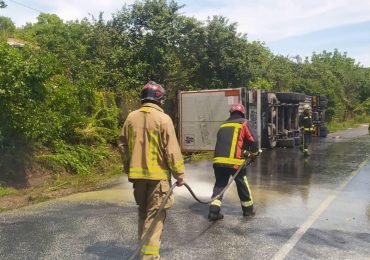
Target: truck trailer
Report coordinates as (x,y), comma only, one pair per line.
(272,116)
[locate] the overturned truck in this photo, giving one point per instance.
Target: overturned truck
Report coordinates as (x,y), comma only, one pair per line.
(273,116)
(280,116)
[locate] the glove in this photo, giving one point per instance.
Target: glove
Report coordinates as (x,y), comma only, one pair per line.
(180,181)
(247,154)
(254,155)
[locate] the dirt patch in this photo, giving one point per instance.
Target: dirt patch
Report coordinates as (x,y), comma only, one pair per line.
(34,195)
(13,201)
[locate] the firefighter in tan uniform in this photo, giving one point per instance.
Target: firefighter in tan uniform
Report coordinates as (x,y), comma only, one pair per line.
(151,153)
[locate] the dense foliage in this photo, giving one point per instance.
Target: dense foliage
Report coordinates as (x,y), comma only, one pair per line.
(2,4)
(73,83)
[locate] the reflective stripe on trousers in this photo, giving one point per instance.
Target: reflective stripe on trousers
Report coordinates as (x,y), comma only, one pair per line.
(150,250)
(216,203)
(247,203)
(149,195)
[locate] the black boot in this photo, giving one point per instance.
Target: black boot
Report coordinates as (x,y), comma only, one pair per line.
(249,211)
(214,213)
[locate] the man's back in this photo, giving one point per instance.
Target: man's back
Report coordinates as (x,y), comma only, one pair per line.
(152,144)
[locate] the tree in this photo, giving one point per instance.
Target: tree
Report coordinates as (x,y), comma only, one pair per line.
(225,65)
(22,93)
(2,4)
(7,27)
(150,27)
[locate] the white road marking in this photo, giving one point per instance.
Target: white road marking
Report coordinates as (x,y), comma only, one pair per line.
(284,251)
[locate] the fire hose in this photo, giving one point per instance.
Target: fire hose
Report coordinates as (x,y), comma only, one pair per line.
(156,217)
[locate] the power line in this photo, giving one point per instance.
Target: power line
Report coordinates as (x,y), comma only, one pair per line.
(26,6)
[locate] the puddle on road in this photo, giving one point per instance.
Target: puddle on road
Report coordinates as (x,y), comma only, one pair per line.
(288,186)
(199,176)
(281,179)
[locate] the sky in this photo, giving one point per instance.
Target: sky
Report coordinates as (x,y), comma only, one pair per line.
(287,27)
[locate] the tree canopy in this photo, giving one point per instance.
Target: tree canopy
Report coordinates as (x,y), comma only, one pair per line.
(2,4)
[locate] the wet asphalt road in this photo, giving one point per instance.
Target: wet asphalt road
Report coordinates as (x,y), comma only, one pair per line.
(314,208)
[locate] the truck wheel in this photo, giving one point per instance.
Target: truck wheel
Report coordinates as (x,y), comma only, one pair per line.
(301,97)
(297,140)
(286,97)
(323,131)
(288,142)
(323,103)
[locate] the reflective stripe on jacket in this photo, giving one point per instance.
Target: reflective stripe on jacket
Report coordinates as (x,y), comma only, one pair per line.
(233,137)
(148,142)
(305,122)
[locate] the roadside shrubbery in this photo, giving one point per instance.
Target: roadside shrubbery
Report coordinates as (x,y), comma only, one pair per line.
(4,191)
(76,159)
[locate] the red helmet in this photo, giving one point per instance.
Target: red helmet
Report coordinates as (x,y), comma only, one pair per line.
(237,108)
(154,92)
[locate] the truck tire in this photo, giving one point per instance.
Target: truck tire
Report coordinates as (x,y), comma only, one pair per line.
(301,97)
(287,97)
(323,131)
(290,97)
(323,103)
(287,142)
(315,116)
(297,141)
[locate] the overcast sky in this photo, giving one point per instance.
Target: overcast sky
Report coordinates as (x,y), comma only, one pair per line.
(288,27)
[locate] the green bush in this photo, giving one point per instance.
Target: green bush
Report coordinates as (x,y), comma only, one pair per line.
(76,159)
(364,108)
(351,123)
(7,191)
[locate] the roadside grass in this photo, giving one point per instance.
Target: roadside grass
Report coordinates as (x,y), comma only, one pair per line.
(77,182)
(351,123)
(5,191)
(198,156)
(61,183)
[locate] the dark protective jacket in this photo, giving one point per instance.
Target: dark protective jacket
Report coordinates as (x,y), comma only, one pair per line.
(305,122)
(233,137)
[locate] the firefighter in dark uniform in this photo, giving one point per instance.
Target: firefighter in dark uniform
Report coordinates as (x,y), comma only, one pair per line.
(305,123)
(235,142)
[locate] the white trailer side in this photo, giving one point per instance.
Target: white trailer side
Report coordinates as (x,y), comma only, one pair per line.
(202,112)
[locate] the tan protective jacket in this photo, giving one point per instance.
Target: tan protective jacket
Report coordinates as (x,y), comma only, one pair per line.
(149,145)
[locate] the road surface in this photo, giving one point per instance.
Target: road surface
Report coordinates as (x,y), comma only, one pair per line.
(314,208)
